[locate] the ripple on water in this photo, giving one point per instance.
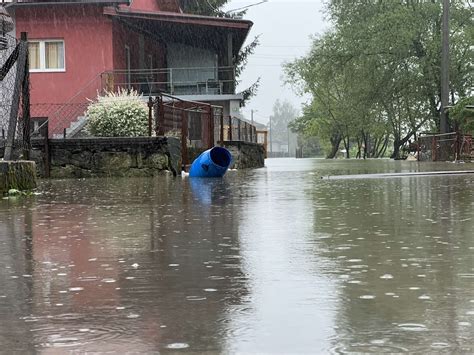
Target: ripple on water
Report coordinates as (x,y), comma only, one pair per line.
(372,348)
(176,346)
(440,345)
(413,327)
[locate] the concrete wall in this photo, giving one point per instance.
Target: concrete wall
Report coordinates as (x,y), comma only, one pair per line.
(103,157)
(19,175)
(246,155)
(125,157)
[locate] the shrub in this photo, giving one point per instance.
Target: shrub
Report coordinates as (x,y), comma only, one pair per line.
(121,114)
(463,114)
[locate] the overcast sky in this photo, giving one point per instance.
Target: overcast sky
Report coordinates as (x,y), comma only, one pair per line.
(285,28)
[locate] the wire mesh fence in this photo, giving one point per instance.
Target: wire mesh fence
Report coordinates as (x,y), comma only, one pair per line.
(14,99)
(444,147)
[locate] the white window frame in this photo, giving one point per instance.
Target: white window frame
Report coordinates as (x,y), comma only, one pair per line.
(42,46)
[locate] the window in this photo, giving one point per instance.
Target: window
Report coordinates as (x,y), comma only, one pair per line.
(46,56)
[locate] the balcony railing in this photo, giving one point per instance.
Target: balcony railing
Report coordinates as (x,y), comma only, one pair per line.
(174,81)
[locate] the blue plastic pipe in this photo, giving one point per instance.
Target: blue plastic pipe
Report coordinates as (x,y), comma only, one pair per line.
(211,163)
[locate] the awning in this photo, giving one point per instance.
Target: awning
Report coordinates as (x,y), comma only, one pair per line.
(186,28)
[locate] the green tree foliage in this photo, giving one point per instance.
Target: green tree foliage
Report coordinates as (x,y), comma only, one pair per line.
(374,77)
(463,114)
(122,114)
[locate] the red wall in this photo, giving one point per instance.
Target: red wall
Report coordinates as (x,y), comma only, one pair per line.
(87,36)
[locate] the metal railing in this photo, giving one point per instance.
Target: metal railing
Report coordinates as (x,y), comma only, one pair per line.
(443,147)
(174,81)
(198,125)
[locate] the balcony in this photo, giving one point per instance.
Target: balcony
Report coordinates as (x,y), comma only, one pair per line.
(173,81)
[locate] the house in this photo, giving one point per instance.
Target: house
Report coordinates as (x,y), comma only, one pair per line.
(78,48)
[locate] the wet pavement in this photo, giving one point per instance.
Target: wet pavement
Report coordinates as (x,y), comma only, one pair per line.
(275,260)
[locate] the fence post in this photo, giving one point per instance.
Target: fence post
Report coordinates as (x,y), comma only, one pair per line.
(12,124)
(239,123)
(184,139)
(230,128)
(246,132)
(150,115)
(47,155)
(211,128)
(160,116)
(222,127)
(26,103)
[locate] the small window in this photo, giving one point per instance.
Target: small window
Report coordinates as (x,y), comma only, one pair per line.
(46,56)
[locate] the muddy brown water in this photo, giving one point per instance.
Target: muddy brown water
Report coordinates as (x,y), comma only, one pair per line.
(275,260)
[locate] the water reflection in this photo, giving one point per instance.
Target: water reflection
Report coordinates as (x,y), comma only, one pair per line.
(141,269)
(401,249)
(272,260)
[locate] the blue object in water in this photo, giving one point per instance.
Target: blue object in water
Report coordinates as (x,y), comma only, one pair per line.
(211,163)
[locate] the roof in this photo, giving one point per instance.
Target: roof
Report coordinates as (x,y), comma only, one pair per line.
(15,3)
(180,18)
(209,30)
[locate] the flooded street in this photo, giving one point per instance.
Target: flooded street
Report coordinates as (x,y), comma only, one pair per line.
(274,260)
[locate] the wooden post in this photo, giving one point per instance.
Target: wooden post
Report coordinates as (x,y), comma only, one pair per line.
(12,123)
(230,128)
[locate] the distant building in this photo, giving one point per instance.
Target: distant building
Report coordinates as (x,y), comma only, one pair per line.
(81,47)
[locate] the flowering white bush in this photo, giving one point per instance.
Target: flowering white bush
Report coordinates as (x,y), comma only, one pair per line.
(121,114)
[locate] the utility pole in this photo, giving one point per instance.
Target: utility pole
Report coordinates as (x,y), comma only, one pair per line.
(445,70)
(251,115)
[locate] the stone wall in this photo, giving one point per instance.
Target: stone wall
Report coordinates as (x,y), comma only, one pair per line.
(19,175)
(246,155)
(106,157)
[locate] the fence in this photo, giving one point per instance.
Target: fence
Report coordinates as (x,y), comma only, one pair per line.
(199,125)
(175,81)
(15,98)
(61,117)
(444,147)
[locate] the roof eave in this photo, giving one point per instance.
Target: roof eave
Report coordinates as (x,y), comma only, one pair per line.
(65,2)
(182,18)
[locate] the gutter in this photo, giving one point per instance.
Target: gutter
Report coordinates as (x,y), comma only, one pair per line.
(64,2)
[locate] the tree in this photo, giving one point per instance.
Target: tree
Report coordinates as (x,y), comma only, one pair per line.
(283,114)
(375,76)
(463,115)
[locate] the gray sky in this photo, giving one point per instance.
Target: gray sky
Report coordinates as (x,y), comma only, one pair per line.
(285,28)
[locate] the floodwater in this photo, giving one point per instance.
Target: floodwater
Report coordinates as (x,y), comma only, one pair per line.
(275,260)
